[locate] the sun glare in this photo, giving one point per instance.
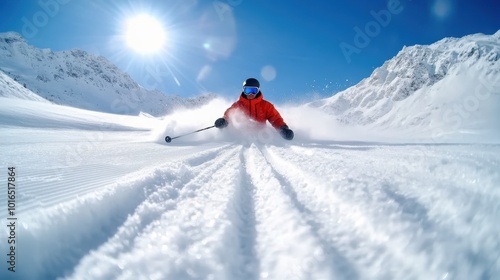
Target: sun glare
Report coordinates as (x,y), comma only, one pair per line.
(145,34)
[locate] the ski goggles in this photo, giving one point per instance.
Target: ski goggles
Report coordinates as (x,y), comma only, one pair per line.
(250,90)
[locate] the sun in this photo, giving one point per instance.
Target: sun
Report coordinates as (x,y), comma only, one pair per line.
(144,34)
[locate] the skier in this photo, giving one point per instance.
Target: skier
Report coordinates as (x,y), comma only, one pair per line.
(253,105)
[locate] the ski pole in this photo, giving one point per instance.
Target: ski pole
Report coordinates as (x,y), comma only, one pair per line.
(168,139)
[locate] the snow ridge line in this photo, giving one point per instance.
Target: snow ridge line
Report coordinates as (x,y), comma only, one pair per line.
(185,236)
(43,189)
(245,221)
(408,216)
(331,209)
(329,256)
(281,228)
(69,230)
(239,239)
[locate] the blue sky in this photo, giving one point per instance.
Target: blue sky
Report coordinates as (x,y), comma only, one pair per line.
(299,50)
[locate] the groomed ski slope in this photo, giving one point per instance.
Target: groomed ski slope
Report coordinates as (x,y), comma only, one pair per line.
(116,203)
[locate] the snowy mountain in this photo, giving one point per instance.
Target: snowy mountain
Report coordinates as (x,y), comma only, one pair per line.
(79,79)
(450,86)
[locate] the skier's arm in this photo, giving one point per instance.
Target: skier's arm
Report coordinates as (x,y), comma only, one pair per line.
(277,122)
(230,109)
(274,117)
(223,122)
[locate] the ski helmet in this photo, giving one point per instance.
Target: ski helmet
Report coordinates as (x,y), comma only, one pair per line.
(251,82)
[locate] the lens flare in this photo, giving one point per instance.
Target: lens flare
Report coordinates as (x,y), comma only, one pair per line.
(145,34)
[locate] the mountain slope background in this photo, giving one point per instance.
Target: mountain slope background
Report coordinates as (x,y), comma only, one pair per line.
(447,91)
(450,89)
(79,79)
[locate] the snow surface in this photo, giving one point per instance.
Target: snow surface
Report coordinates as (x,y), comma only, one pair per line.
(395,178)
(101,196)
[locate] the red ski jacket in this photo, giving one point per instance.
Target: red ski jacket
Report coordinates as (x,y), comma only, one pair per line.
(257,109)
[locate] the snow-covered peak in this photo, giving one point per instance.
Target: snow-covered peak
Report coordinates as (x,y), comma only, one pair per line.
(425,86)
(421,65)
(11,37)
(83,80)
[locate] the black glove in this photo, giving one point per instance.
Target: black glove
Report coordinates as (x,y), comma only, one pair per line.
(220,123)
(286,133)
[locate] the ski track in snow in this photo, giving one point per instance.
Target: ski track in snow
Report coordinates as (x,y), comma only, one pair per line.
(260,211)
